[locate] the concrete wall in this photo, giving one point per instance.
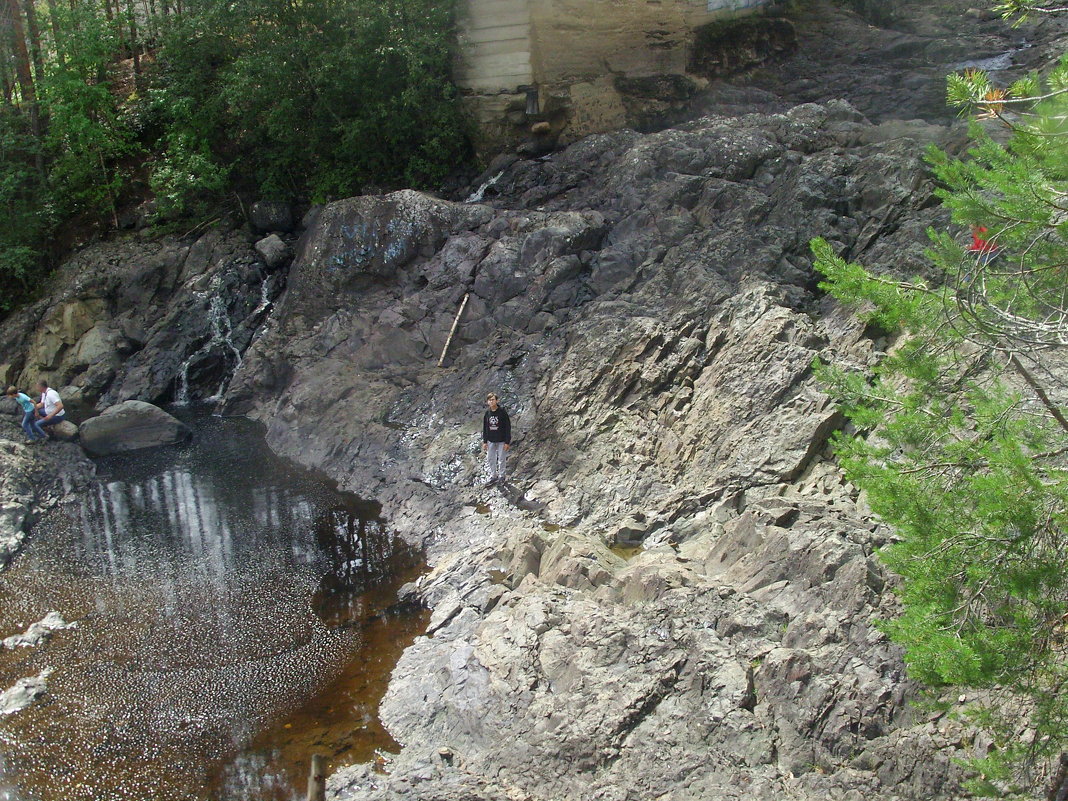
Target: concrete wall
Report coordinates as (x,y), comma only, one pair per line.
(495,45)
(574,51)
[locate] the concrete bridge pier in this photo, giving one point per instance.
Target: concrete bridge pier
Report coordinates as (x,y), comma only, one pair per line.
(597,65)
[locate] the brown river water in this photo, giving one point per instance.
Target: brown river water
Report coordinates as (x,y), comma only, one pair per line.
(234,616)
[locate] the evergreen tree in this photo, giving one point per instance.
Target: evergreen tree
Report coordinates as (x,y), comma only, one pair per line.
(963,444)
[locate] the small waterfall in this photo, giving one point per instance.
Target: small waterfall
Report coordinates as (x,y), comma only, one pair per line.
(219,339)
(265,298)
(480,193)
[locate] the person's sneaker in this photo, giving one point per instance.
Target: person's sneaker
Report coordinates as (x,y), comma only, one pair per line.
(491,482)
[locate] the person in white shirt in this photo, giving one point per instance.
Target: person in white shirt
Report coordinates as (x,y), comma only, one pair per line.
(50,408)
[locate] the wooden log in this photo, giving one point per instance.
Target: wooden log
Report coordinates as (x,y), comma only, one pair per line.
(317,780)
(455,323)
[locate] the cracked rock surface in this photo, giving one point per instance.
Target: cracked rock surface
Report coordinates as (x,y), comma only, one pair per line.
(645,306)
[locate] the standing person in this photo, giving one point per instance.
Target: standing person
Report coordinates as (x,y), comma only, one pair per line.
(51,406)
(982,248)
(496,439)
(29,415)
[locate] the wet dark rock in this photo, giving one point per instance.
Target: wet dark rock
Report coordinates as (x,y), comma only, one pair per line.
(129,320)
(267,216)
(130,426)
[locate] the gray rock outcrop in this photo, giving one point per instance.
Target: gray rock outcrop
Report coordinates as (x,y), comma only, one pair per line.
(33,478)
(143,320)
(131,426)
(646,307)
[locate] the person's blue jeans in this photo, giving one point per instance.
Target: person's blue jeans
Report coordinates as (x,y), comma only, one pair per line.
(31,427)
(59,418)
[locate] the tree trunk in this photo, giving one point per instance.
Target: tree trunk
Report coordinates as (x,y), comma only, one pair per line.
(131,19)
(22,55)
(35,39)
(7,78)
(53,21)
(25,78)
(151,28)
(9,89)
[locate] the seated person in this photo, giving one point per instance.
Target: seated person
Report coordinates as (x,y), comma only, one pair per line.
(50,407)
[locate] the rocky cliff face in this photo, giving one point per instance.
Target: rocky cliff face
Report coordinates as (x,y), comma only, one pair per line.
(145,321)
(646,308)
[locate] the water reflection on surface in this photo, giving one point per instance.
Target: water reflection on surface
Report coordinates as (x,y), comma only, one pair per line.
(231,610)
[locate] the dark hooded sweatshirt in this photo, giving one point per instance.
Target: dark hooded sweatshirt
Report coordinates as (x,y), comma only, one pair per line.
(497,427)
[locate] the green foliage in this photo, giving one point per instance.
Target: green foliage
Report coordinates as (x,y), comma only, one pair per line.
(963,448)
(23,208)
(186,178)
(294,100)
(87,136)
(317,99)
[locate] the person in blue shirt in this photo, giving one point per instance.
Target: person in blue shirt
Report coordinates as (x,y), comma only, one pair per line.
(29,416)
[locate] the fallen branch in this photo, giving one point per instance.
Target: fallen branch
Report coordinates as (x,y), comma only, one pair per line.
(452,331)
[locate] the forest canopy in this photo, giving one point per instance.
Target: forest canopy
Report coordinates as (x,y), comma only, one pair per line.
(109,103)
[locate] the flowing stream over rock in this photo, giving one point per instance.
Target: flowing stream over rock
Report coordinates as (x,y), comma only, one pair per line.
(233,615)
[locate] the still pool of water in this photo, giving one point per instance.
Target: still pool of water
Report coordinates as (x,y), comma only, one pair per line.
(234,616)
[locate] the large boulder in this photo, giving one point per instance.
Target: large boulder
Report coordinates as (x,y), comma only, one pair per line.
(274,252)
(130,426)
(65,431)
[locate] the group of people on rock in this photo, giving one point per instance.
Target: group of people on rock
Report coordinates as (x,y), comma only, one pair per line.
(39,415)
